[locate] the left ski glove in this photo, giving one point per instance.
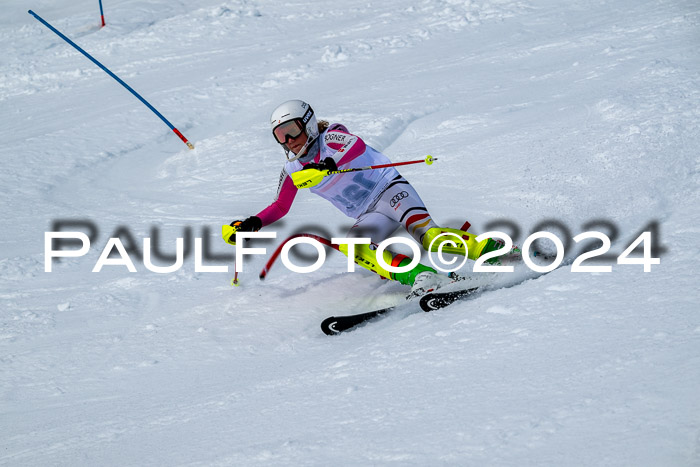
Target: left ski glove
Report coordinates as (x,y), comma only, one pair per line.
(251,224)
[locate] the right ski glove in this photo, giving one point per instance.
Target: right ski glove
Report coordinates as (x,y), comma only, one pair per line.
(326,164)
(312,174)
(251,224)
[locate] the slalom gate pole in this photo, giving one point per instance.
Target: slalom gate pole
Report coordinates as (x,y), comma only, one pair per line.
(106,70)
(102,14)
(277,252)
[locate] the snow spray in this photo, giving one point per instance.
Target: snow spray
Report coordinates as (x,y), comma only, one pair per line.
(106,70)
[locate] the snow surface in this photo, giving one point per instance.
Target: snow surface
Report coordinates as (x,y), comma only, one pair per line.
(581,112)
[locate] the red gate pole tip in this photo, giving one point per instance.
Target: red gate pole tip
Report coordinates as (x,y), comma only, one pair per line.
(182,137)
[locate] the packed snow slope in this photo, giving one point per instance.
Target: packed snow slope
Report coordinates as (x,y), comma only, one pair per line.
(582,114)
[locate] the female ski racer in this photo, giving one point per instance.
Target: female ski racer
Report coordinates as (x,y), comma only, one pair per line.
(379,200)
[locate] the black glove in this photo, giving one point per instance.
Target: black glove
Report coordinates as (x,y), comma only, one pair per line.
(251,224)
(326,164)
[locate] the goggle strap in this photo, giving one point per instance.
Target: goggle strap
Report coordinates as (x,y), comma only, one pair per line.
(307,116)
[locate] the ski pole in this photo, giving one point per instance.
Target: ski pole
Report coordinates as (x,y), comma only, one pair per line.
(235,281)
(428,160)
(106,70)
(312,177)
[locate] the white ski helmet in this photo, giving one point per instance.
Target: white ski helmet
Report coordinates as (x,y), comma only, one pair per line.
(289,119)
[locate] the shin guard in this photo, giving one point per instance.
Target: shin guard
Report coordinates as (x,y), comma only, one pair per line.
(453,245)
(367,258)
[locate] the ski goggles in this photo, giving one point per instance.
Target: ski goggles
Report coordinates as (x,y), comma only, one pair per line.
(289,129)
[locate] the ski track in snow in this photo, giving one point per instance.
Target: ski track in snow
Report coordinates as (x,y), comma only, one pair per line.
(585,113)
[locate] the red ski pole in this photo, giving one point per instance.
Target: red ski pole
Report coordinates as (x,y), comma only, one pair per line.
(312,177)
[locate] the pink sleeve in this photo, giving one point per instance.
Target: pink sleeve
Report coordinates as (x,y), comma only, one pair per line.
(280,206)
(347,145)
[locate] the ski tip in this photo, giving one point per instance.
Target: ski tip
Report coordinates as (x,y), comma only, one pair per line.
(328,326)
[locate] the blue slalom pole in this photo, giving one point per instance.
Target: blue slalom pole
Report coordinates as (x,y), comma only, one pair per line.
(102,14)
(138,96)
